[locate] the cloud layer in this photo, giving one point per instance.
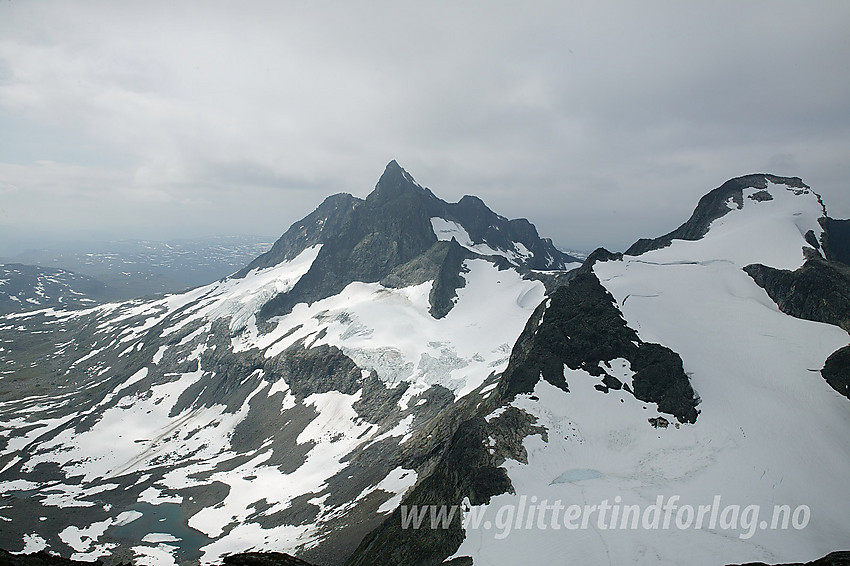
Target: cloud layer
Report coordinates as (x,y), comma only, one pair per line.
(599,121)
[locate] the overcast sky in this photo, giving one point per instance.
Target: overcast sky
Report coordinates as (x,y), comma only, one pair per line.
(601,122)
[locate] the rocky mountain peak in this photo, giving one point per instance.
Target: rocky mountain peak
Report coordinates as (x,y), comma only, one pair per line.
(390,237)
(396,182)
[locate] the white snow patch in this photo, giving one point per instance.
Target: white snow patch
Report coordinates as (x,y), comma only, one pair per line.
(397,482)
(83,541)
(160,537)
(159,555)
(620,368)
(32,543)
(157,357)
(136,377)
(155,496)
(126,517)
(400,429)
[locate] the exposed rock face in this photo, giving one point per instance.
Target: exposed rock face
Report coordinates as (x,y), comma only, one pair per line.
(449,279)
(41,558)
(264,559)
(389,237)
(361,240)
(484,225)
(836,371)
(840,558)
(836,239)
(465,471)
(713,206)
(819,290)
(582,328)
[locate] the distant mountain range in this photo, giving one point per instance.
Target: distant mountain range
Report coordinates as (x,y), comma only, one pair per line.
(400,380)
(130,269)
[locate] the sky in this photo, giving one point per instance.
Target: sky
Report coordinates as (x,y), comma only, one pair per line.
(601,122)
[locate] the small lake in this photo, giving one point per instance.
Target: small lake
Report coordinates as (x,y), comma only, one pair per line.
(166,518)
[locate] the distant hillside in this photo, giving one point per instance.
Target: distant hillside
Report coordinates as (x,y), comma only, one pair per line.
(28,287)
(137,268)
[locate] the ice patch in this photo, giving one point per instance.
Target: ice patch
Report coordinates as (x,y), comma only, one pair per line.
(576,475)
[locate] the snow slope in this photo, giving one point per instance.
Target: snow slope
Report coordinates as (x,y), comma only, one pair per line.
(770,432)
(208,432)
(390,331)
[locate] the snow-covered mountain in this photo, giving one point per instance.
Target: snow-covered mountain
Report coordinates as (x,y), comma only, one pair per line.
(399,356)
(598,474)
(288,407)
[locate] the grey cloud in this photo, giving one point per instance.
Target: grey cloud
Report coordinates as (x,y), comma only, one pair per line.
(600,122)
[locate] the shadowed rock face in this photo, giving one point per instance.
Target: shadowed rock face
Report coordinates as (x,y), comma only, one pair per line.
(264,559)
(819,291)
(836,239)
(41,558)
(841,558)
(465,469)
(711,207)
(363,241)
(389,237)
(836,371)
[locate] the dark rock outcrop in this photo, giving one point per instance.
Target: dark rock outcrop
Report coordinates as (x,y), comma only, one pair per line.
(361,240)
(819,290)
(840,558)
(581,327)
(449,279)
(836,371)
(42,558)
(836,239)
(484,225)
(264,559)
(465,468)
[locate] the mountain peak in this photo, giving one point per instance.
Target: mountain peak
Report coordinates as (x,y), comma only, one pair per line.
(750,192)
(394,181)
(391,237)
